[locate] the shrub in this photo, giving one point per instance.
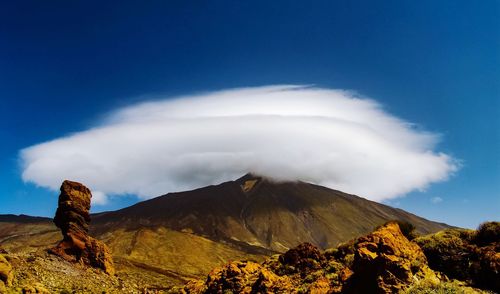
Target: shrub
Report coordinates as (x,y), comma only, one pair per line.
(455,253)
(408,229)
(487,233)
(452,287)
(447,252)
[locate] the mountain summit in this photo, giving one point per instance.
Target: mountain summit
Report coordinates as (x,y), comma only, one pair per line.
(259,213)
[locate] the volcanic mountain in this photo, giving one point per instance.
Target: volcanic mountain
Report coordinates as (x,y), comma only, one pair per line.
(263,214)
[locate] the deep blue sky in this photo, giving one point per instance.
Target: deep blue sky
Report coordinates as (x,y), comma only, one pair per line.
(64,64)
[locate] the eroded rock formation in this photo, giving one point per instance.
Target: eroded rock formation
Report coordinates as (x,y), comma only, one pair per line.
(387,262)
(73,218)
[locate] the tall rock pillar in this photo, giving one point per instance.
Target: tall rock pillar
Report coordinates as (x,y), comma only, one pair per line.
(73,218)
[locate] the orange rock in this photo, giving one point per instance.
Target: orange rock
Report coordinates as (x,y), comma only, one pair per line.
(241,277)
(385,261)
(320,286)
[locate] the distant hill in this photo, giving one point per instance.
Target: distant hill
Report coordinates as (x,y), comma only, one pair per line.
(22,218)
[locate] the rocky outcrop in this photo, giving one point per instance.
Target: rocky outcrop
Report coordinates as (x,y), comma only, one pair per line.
(6,273)
(305,257)
(385,261)
(73,218)
(241,277)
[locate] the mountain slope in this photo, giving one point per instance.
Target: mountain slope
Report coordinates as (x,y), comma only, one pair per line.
(153,258)
(256,214)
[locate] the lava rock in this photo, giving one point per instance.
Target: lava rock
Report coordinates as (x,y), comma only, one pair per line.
(304,257)
(73,218)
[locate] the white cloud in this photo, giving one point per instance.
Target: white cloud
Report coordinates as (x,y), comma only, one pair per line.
(330,137)
(99,198)
(436,200)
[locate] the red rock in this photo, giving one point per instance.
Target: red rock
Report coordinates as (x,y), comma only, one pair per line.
(73,218)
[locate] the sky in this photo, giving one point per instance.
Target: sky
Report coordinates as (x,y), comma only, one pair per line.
(419,82)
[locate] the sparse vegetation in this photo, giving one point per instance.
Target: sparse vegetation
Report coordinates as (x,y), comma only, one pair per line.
(487,233)
(452,287)
(381,262)
(466,255)
(408,229)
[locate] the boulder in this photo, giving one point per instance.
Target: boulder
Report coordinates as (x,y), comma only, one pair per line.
(73,218)
(385,261)
(305,258)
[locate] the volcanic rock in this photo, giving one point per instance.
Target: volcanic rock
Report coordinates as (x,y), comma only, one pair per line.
(241,277)
(304,257)
(73,218)
(385,261)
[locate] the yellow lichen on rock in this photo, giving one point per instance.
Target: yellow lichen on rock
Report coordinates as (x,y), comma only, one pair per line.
(386,261)
(320,286)
(36,288)
(6,272)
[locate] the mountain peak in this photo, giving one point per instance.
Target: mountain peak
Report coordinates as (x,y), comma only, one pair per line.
(249,176)
(248,182)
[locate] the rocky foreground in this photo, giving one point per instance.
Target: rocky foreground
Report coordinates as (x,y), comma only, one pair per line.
(385,261)
(391,259)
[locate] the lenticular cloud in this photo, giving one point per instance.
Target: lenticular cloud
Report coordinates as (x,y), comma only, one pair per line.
(329,137)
